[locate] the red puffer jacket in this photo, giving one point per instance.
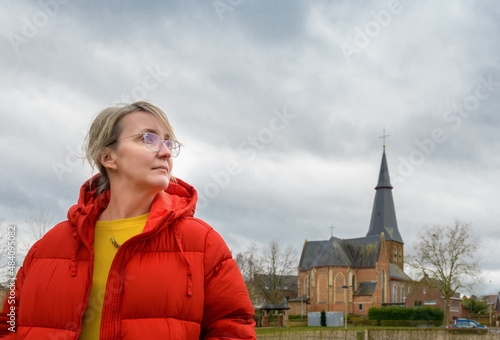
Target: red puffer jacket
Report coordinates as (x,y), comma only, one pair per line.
(176,280)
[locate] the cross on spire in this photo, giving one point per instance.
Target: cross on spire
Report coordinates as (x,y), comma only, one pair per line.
(383,136)
(332,227)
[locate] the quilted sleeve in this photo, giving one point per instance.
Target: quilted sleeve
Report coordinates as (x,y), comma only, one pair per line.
(10,311)
(228,312)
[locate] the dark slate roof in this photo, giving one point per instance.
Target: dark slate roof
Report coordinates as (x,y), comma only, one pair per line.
(364,250)
(366,288)
(267,306)
(356,252)
(310,251)
(383,215)
(288,282)
(397,273)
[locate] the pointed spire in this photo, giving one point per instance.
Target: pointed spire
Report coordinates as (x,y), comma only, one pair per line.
(384,215)
(383,179)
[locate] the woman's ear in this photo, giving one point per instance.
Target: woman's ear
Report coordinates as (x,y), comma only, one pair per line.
(107,160)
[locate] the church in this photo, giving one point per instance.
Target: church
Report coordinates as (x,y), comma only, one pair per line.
(369,269)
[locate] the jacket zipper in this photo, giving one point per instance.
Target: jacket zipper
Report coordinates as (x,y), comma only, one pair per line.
(117,300)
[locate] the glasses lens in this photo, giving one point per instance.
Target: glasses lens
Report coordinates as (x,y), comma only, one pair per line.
(173,146)
(153,142)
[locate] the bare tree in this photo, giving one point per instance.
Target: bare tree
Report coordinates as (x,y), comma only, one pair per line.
(448,255)
(247,262)
(39,222)
(266,271)
(275,266)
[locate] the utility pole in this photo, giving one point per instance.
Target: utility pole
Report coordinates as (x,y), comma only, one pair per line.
(345,287)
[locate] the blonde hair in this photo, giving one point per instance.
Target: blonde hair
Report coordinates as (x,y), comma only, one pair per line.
(105,130)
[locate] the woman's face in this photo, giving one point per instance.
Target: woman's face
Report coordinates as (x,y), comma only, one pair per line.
(136,167)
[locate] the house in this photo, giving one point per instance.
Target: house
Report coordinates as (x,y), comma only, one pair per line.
(424,294)
(493,302)
(366,271)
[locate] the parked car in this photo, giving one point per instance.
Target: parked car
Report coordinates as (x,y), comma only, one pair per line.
(465,323)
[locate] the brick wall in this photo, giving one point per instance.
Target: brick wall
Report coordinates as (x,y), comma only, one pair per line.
(424,295)
(395,253)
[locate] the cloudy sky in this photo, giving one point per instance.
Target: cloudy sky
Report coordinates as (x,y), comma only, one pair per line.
(279,105)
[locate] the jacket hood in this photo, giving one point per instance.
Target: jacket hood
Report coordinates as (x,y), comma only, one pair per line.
(178,200)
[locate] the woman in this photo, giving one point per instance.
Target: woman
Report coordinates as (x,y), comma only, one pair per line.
(131,261)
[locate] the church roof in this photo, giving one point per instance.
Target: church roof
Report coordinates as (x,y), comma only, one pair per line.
(397,273)
(383,218)
(356,252)
(366,288)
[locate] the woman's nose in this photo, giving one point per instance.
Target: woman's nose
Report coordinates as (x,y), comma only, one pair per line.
(164,151)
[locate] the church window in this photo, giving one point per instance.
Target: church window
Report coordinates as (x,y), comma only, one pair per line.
(338,283)
(395,254)
(400,255)
(394,293)
(424,290)
(354,283)
(322,288)
(360,306)
(402,293)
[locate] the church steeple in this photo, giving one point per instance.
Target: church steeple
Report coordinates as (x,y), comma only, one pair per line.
(383,215)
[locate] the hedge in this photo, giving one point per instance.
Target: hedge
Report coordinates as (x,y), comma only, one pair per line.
(404,313)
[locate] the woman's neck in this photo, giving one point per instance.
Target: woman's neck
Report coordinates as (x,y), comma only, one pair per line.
(122,206)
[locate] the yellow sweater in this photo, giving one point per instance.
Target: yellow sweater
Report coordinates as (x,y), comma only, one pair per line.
(104,252)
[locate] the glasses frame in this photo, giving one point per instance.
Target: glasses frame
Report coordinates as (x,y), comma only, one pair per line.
(174,151)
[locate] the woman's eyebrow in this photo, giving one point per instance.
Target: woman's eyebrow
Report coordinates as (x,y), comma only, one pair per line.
(166,136)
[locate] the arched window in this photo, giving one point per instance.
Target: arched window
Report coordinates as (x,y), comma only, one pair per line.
(394,292)
(353,283)
(338,283)
(395,254)
(322,288)
(402,294)
(400,255)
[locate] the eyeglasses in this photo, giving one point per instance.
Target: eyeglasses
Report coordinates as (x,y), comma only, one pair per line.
(153,142)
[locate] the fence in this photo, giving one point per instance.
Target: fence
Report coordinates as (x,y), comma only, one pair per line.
(381,334)
(484,319)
